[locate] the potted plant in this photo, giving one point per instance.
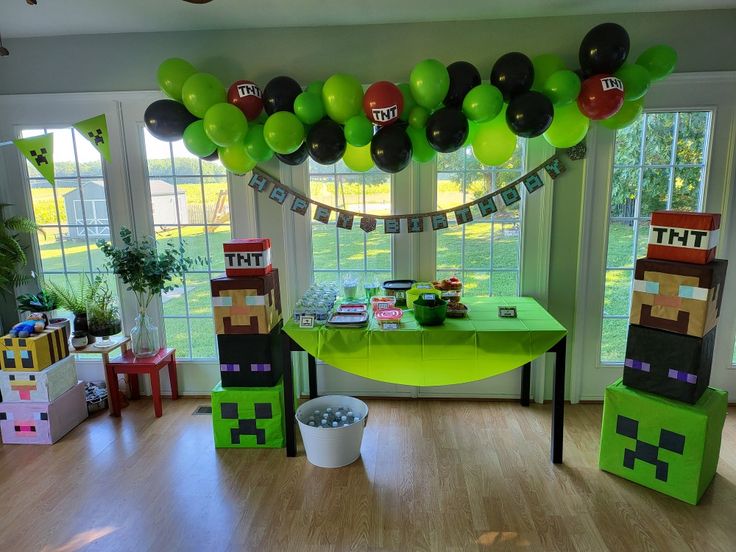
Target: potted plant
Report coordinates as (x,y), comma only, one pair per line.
(147,272)
(103,319)
(42,303)
(76,299)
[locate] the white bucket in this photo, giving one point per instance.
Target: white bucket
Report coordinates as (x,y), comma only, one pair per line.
(332,447)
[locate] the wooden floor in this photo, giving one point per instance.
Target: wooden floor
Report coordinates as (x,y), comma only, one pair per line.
(434,475)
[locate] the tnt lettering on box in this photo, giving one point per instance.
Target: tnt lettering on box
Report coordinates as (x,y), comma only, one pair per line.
(681,236)
(248,257)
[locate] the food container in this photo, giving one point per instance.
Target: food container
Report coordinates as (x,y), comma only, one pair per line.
(421,289)
(398,289)
(389,316)
(380,303)
(352,308)
(451,296)
(449,284)
(352,320)
(457,310)
(430,313)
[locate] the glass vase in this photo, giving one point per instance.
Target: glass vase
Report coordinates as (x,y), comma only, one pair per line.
(144,336)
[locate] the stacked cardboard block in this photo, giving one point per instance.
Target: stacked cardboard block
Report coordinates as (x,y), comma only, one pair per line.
(247,405)
(42,399)
(662,422)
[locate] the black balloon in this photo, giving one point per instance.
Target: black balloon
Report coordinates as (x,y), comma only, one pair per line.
(391,149)
(279,94)
(463,78)
(326,142)
(447,129)
(214,156)
(529,114)
(167,120)
(512,74)
(296,158)
(604,49)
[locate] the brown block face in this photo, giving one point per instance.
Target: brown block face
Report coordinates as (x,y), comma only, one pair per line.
(678,297)
(247,304)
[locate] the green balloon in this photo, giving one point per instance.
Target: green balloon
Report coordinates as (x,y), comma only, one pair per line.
(172,74)
(308,107)
(342,96)
(625,116)
(636,80)
(358,131)
(315,87)
(482,103)
(225,124)
(409,101)
(568,127)
(472,131)
(235,158)
(283,132)
(261,119)
(358,158)
(494,143)
(544,66)
(256,146)
(659,60)
(196,140)
(418,117)
(200,92)
(422,152)
(429,82)
(562,87)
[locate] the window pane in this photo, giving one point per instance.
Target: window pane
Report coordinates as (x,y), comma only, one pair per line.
(613,342)
(686,188)
(618,292)
(203,338)
(692,134)
(623,191)
(177,336)
(621,243)
(659,135)
(506,283)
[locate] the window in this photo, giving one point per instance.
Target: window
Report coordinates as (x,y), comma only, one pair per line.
(659,163)
(189,200)
(338,252)
(485,253)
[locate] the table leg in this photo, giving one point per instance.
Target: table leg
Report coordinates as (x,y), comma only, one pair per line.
(289,397)
(313,392)
(135,390)
(558,400)
(156,392)
(526,383)
(113,392)
(173,378)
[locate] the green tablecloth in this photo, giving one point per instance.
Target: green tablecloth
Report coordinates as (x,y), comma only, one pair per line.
(459,351)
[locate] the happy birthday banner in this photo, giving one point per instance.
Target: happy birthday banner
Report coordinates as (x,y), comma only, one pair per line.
(263,182)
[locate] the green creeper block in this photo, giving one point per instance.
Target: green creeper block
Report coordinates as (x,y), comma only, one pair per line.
(248,417)
(666,445)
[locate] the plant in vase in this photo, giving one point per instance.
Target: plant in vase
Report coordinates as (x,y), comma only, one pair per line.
(147,272)
(76,299)
(42,303)
(103,319)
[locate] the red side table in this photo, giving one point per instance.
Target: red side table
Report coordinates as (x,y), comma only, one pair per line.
(129,364)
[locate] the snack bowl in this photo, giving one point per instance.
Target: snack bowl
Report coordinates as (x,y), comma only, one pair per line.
(430,313)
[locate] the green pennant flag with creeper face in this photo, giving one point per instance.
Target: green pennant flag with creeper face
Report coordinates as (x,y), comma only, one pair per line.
(95,131)
(39,150)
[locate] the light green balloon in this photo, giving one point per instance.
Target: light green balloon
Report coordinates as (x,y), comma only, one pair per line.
(562,87)
(409,101)
(418,117)
(422,152)
(636,80)
(235,159)
(625,116)
(283,132)
(429,82)
(358,158)
(544,66)
(482,103)
(494,143)
(308,107)
(200,92)
(171,76)
(472,131)
(342,96)
(659,60)
(255,144)
(196,140)
(225,124)
(568,127)
(358,131)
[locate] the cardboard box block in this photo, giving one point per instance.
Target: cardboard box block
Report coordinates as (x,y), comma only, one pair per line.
(34,353)
(678,297)
(683,236)
(39,423)
(248,417)
(662,444)
(246,304)
(43,386)
(254,360)
(668,364)
(248,257)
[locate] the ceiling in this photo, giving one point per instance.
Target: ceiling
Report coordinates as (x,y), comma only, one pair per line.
(72,17)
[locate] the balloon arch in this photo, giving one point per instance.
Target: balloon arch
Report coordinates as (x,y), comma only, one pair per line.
(440,109)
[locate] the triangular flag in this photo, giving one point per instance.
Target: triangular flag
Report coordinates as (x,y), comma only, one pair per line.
(95,131)
(39,150)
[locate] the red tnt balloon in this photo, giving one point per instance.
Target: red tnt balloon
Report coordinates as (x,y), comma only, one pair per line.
(601,96)
(382,103)
(246,96)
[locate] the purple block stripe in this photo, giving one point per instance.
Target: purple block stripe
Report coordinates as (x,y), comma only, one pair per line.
(260,367)
(637,365)
(682,376)
(229,367)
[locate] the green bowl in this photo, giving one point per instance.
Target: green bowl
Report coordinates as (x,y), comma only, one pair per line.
(430,313)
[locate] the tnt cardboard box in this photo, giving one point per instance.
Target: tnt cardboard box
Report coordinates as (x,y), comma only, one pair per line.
(246,304)
(34,353)
(254,360)
(248,257)
(662,444)
(38,423)
(44,386)
(683,236)
(684,298)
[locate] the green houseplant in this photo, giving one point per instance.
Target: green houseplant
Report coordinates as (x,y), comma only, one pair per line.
(103,318)
(75,298)
(147,272)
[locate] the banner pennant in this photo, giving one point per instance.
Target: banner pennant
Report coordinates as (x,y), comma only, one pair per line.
(95,131)
(39,150)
